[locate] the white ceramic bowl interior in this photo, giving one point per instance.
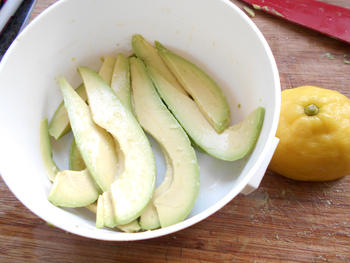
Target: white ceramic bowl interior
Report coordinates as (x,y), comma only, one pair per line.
(215,34)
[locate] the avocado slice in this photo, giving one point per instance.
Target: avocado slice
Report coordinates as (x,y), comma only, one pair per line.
(119,70)
(115,72)
(149,54)
(108,210)
(106,70)
(99,210)
(46,151)
(203,89)
(73,189)
(133,188)
(70,188)
(59,124)
(175,201)
(149,219)
(234,143)
(120,81)
(132,227)
(90,139)
(76,162)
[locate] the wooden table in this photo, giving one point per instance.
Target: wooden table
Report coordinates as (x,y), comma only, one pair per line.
(283,221)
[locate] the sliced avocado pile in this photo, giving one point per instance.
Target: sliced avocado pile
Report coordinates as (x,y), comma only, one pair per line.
(112,167)
(133,188)
(70,181)
(90,139)
(208,96)
(70,188)
(231,144)
(175,197)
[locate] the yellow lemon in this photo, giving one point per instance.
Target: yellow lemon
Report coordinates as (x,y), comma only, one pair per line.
(314,132)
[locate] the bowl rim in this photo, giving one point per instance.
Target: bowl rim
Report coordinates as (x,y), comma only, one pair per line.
(210,210)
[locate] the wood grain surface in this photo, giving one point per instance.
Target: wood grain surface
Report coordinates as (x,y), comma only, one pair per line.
(283,221)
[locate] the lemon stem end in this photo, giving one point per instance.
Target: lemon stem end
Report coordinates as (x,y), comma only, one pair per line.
(311,110)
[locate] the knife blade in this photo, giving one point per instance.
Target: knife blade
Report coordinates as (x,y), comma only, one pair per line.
(325,18)
(7,11)
(16,23)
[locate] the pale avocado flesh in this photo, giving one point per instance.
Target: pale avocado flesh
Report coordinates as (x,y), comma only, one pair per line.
(234,143)
(120,81)
(70,188)
(46,151)
(73,189)
(95,145)
(132,227)
(108,210)
(106,70)
(175,198)
(98,209)
(109,218)
(133,188)
(75,182)
(204,91)
(149,219)
(76,162)
(149,54)
(100,212)
(114,72)
(59,124)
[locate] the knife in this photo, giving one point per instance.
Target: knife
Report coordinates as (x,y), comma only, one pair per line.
(7,11)
(14,16)
(325,18)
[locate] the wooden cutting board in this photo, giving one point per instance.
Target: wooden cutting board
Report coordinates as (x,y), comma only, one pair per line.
(283,221)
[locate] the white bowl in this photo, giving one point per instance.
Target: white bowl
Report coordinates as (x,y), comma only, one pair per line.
(215,34)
